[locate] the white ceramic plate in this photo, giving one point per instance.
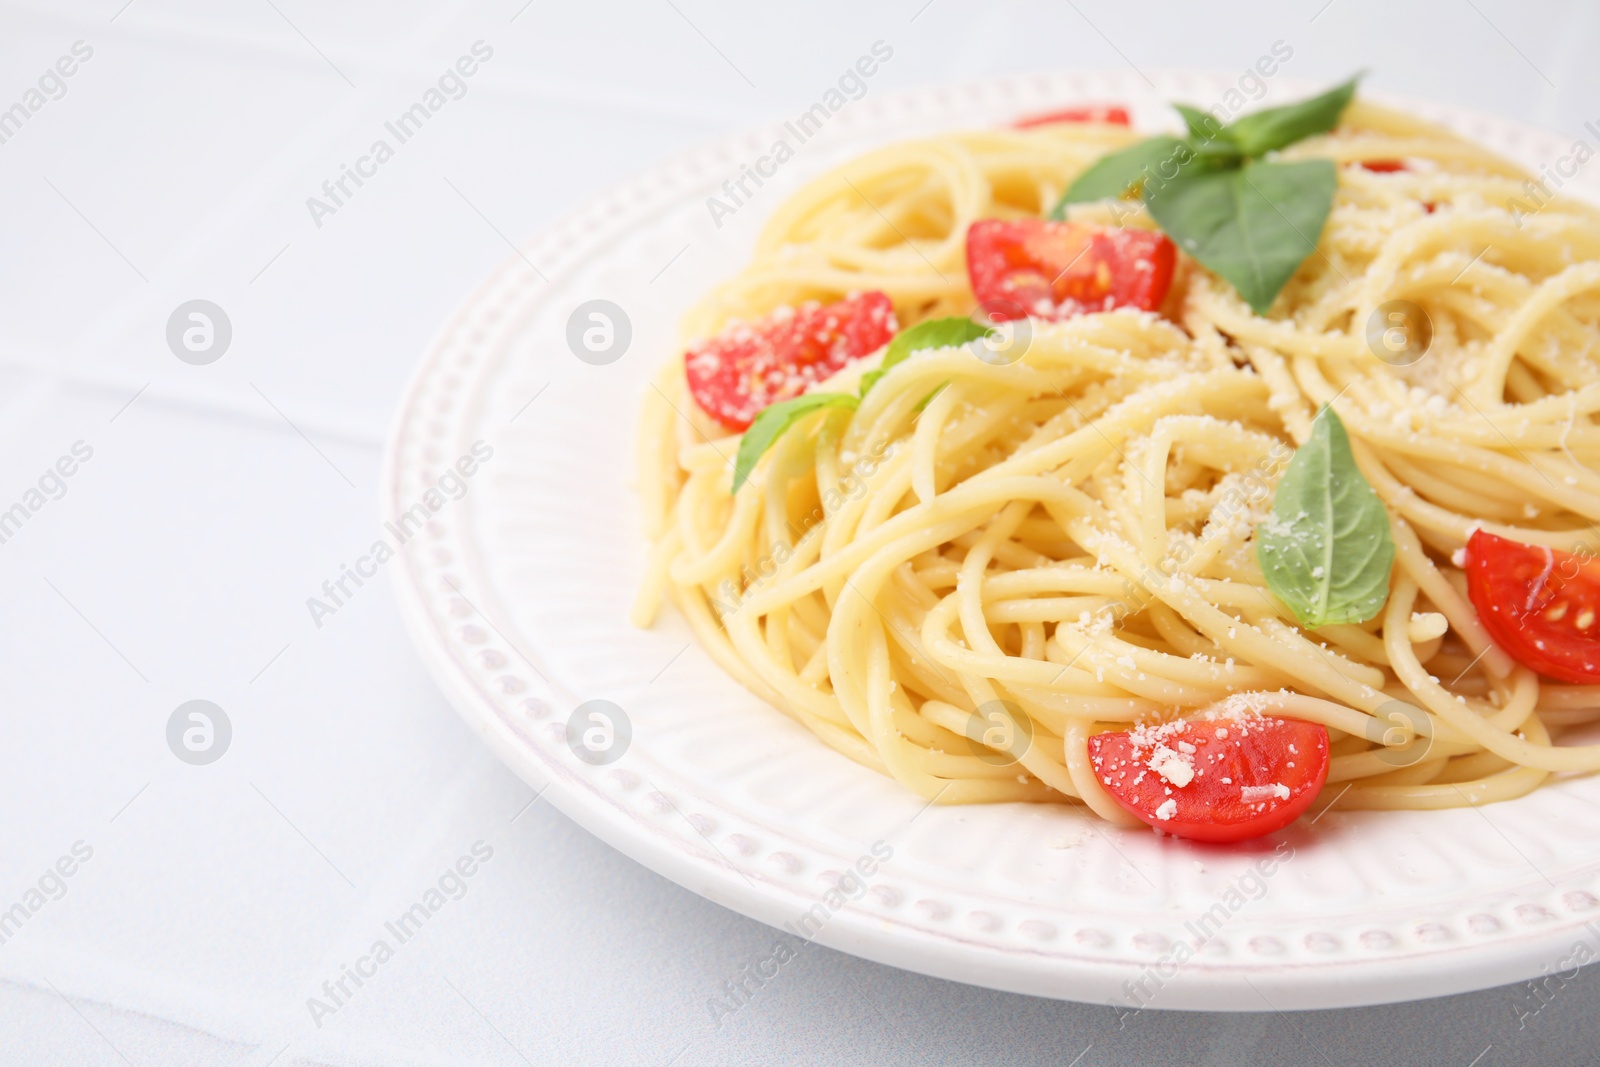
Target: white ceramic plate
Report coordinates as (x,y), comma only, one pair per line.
(517,596)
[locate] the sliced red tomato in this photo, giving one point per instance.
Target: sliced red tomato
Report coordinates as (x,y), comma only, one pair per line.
(1540,604)
(1214,779)
(750,365)
(1055,270)
(1115,114)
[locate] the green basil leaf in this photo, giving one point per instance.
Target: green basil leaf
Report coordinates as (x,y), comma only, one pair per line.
(1253,225)
(1113,175)
(1202,125)
(1218,154)
(1213,148)
(935,333)
(771,424)
(1273,128)
(1326,552)
(922,405)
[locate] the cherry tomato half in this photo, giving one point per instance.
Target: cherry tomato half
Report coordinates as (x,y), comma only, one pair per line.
(1114,114)
(1056,270)
(1221,779)
(1539,604)
(750,365)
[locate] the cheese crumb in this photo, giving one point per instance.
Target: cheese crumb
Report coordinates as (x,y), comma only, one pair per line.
(1173,768)
(1167,810)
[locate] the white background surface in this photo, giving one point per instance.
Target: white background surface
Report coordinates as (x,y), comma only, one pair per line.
(178,562)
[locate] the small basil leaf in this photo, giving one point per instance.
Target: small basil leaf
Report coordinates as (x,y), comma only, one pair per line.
(1113,175)
(922,405)
(1267,130)
(935,333)
(1202,125)
(1326,552)
(1213,149)
(771,424)
(1253,225)
(1218,154)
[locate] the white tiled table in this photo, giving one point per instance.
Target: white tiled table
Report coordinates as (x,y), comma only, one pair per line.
(176,564)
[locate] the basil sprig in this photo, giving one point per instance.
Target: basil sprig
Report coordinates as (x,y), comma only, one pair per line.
(1113,175)
(771,424)
(1249,220)
(776,419)
(1326,552)
(934,333)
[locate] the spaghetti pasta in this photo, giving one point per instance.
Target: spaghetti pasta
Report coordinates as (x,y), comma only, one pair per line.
(961,591)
